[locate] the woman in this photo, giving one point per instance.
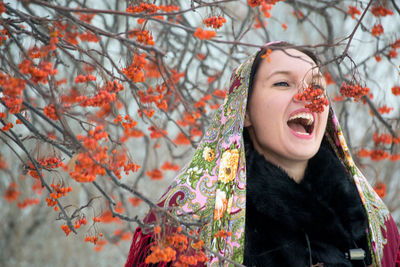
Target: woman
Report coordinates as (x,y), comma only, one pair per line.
(272,183)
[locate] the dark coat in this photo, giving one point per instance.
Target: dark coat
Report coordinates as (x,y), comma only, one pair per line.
(321,217)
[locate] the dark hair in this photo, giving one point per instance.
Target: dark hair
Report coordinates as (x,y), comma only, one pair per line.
(256,64)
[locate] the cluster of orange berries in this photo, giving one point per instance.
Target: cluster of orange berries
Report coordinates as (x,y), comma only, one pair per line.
(214,22)
(12,91)
(385,109)
(58,192)
(93,239)
(80,221)
(2,8)
(176,243)
(151,8)
(354,91)
(50,111)
(13,104)
(51,162)
(7,127)
(385,139)
(66,229)
(94,136)
(12,192)
(88,37)
(103,97)
(39,73)
(156,133)
(353,11)
(377,30)
(47,163)
(316,98)
(135,70)
(84,78)
(378,155)
(256,3)
(396,90)
(28,202)
(381,11)
(142,36)
(113,86)
(380,189)
(159,254)
(86,169)
(3,35)
(204,34)
(155,174)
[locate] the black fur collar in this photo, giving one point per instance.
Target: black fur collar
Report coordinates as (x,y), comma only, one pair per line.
(281,214)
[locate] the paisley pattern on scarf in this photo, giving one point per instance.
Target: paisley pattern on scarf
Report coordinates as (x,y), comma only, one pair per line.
(212,187)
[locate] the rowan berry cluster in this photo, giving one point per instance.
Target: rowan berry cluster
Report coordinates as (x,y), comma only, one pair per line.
(353,11)
(102,98)
(385,109)
(315,96)
(46,163)
(381,11)
(86,169)
(396,90)
(135,70)
(28,202)
(13,104)
(256,3)
(142,36)
(155,174)
(12,92)
(355,91)
(385,139)
(88,37)
(50,111)
(7,127)
(66,229)
(84,78)
(38,73)
(204,34)
(151,8)
(377,30)
(175,244)
(3,35)
(92,239)
(380,189)
(80,221)
(214,22)
(58,192)
(375,155)
(113,86)
(12,192)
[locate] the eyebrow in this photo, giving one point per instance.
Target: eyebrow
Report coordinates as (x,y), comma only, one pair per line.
(318,75)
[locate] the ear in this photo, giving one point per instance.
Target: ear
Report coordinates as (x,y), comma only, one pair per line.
(247,120)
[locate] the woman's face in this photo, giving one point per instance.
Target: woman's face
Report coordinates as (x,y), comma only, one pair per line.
(280,127)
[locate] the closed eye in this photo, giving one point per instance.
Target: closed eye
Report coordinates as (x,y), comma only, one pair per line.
(285,84)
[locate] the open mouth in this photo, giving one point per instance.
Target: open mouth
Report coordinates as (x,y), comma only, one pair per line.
(302,123)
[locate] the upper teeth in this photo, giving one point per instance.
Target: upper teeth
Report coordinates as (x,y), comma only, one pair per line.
(303,115)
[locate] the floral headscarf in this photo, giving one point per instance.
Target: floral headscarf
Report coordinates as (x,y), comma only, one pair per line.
(212,187)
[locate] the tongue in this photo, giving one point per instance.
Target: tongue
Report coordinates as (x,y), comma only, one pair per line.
(297,127)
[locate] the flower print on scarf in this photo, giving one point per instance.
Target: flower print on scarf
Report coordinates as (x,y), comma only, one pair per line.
(220,204)
(228,166)
(208,154)
(193,176)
